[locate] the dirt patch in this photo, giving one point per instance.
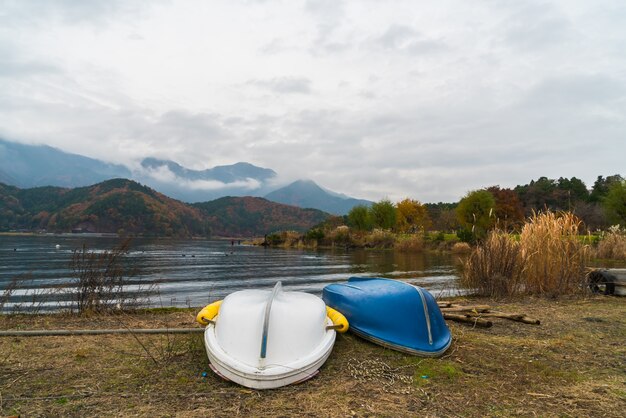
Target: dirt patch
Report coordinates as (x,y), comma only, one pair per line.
(573,364)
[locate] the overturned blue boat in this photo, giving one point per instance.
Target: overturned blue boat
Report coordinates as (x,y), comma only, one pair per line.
(391,313)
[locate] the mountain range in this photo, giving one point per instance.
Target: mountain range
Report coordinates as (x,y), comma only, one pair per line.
(40,165)
(307,194)
(27,166)
(126,207)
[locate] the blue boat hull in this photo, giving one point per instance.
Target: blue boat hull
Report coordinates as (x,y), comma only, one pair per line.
(391,313)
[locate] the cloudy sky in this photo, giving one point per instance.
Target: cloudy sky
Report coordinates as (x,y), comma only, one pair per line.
(420,99)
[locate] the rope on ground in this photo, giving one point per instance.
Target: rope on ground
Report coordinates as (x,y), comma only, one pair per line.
(376,370)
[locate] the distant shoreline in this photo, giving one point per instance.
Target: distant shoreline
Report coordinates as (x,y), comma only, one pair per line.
(59,234)
(114,235)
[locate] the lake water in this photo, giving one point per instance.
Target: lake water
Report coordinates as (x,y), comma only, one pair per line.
(196,272)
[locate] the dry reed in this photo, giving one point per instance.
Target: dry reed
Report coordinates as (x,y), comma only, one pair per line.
(554,259)
(548,260)
(612,245)
(494,268)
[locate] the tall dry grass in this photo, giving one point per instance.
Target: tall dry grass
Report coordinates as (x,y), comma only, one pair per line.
(410,243)
(495,267)
(548,260)
(612,245)
(553,256)
(380,238)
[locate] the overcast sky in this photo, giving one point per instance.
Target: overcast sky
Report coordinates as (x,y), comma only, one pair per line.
(420,99)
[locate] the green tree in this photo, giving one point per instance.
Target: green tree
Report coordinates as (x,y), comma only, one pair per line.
(412,216)
(359,218)
(615,203)
(476,212)
(383,214)
(575,188)
(602,185)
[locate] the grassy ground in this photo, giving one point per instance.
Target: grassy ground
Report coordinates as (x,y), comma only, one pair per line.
(574,364)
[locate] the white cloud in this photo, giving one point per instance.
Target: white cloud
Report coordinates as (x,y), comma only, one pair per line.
(164,175)
(419,99)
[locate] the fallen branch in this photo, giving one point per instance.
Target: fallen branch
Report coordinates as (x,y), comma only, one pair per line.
(513,317)
(457,308)
(479,322)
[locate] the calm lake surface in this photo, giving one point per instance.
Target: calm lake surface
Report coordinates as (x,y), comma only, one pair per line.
(196,272)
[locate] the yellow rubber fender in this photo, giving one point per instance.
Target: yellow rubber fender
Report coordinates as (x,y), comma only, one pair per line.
(208,313)
(338,319)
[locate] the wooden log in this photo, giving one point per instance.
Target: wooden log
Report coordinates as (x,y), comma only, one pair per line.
(510,316)
(458,308)
(479,322)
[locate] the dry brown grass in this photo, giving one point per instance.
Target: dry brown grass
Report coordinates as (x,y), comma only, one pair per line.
(553,256)
(494,268)
(461,248)
(410,243)
(511,369)
(613,245)
(379,238)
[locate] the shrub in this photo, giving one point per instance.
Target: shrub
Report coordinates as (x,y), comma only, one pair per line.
(340,235)
(494,268)
(285,239)
(314,234)
(438,237)
(102,279)
(466,235)
(274,239)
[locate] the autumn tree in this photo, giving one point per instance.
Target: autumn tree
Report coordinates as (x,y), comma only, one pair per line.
(412,216)
(383,214)
(442,216)
(476,212)
(508,210)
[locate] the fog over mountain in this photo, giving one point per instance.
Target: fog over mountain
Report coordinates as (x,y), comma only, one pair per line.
(31,166)
(28,166)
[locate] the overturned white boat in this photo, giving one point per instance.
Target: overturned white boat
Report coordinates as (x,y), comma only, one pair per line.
(265,339)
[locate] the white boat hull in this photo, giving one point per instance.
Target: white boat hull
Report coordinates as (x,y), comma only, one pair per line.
(267,339)
(271,376)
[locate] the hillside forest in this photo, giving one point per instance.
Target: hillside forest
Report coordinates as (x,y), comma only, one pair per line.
(129,208)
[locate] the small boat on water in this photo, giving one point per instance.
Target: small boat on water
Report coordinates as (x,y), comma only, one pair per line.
(391,313)
(265,339)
